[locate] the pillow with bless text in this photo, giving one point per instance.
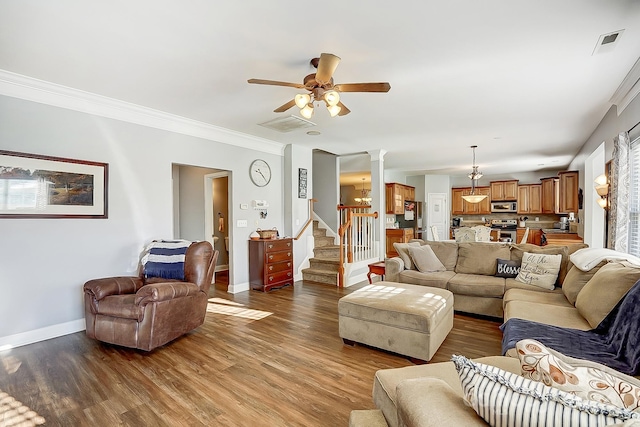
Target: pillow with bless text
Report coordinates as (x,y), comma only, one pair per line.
(507,268)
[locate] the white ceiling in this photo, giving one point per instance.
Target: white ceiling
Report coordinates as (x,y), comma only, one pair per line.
(517,78)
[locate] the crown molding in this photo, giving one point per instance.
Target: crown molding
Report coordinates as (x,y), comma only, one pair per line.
(43,92)
(628,89)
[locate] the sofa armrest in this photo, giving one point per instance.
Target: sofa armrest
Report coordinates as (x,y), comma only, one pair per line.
(392,268)
(164,291)
(426,402)
(100,288)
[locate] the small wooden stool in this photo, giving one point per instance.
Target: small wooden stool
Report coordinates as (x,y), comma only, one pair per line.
(376,268)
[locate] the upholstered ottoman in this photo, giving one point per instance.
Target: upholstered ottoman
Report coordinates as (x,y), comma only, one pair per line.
(411,320)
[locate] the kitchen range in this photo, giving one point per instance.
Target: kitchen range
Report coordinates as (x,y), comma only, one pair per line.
(505,228)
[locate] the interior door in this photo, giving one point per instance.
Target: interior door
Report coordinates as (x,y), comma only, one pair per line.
(437,215)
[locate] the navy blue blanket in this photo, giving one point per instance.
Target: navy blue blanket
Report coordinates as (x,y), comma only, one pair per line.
(614,343)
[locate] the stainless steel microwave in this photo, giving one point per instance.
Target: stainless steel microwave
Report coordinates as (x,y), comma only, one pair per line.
(498,207)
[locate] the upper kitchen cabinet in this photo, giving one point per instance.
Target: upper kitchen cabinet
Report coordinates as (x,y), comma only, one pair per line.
(461,207)
(550,195)
(395,195)
(568,184)
(504,190)
(530,199)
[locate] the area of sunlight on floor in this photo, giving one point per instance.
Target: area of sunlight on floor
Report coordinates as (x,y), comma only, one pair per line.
(230,308)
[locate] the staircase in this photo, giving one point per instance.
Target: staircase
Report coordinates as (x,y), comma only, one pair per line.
(324,264)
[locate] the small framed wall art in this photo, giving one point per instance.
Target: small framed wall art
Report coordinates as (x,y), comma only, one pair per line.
(302,183)
(35,186)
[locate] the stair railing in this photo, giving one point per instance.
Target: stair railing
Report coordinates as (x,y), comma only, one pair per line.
(357,236)
(309,221)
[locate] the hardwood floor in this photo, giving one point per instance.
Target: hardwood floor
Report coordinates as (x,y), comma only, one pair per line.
(271,359)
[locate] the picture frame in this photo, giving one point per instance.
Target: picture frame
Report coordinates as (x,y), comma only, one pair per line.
(302,183)
(36,186)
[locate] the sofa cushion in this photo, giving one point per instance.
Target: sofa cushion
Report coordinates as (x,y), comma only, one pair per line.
(480,258)
(425,259)
(386,381)
(539,270)
(576,279)
(447,253)
(518,250)
(499,396)
(507,268)
(583,378)
(557,315)
(476,285)
(598,297)
(514,284)
(555,297)
(439,279)
(403,253)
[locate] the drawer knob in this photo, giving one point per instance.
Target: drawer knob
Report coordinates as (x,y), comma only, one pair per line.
(270,246)
(270,256)
(288,253)
(289,274)
(271,279)
(271,267)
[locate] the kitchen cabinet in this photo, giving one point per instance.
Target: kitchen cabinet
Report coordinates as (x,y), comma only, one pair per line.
(395,195)
(562,239)
(461,207)
(530,199)
(504,190)
(397,235)
(550,195)
(568,184)
(533,237)
(270,263)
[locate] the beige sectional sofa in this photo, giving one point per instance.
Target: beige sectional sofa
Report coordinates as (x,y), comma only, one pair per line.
(470,271)
(431,395)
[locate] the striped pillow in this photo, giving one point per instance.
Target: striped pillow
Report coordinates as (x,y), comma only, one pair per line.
(505,399)
(165,259)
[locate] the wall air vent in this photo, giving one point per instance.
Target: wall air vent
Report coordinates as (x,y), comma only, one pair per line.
(287,124)
(607,42)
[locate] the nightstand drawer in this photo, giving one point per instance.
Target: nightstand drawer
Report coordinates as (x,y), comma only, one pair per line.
(282,276)
(279,266)
(279,256)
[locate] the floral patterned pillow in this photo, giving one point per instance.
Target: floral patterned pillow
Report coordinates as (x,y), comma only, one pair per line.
(585,379)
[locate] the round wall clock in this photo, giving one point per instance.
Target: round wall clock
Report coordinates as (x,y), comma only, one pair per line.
(260,173)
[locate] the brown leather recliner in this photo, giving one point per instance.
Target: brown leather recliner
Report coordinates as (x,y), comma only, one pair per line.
(146,313)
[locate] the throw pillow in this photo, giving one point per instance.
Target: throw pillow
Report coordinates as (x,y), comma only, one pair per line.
(447,253)
(425,259)
(480,257)
(505,399)
(507,268)
(601,294)
(585,379)
(403,253)
(539,270)
(575,281)
(517,251)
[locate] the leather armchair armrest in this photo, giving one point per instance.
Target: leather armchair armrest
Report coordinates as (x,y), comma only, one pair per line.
(100,288)
(165,291)
(392,268)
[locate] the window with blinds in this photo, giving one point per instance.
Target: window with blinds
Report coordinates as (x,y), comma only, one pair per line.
(634,200)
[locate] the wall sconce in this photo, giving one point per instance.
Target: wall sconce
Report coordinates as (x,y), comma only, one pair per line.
(602,188)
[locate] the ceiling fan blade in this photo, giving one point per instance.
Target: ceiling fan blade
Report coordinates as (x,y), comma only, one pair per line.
(275,83)
(326,67)
(285,107)
(344,110)
(363,87)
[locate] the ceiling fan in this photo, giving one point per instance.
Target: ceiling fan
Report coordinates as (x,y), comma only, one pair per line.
(321,88)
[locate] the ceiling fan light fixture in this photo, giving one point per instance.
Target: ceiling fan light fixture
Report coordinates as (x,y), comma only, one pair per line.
(302,99)
(307,111)
(334,110)
(332,97)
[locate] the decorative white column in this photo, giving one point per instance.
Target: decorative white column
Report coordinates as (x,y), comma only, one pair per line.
(378,198)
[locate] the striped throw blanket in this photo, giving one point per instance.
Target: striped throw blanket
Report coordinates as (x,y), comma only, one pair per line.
(165,259)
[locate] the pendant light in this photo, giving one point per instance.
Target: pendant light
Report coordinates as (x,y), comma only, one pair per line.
(474,176)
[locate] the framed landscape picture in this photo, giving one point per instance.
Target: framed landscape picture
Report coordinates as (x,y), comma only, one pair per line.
(34,186)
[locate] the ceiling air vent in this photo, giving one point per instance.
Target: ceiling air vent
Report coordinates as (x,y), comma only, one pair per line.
(287,124)
(607,42)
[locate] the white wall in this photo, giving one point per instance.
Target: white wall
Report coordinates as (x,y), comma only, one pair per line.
(326,187)
(44,262)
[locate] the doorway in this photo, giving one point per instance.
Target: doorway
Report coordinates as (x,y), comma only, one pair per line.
(217,220)
(437,215)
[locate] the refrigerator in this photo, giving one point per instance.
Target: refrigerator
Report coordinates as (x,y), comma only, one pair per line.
(412,217)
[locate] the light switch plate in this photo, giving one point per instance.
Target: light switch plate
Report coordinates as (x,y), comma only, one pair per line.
(242,223)
(244,206)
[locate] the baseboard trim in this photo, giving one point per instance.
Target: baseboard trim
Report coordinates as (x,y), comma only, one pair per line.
(42,334)
(236,289)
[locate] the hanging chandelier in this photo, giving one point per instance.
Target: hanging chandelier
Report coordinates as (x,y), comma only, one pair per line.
(474,176)
(364,199)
